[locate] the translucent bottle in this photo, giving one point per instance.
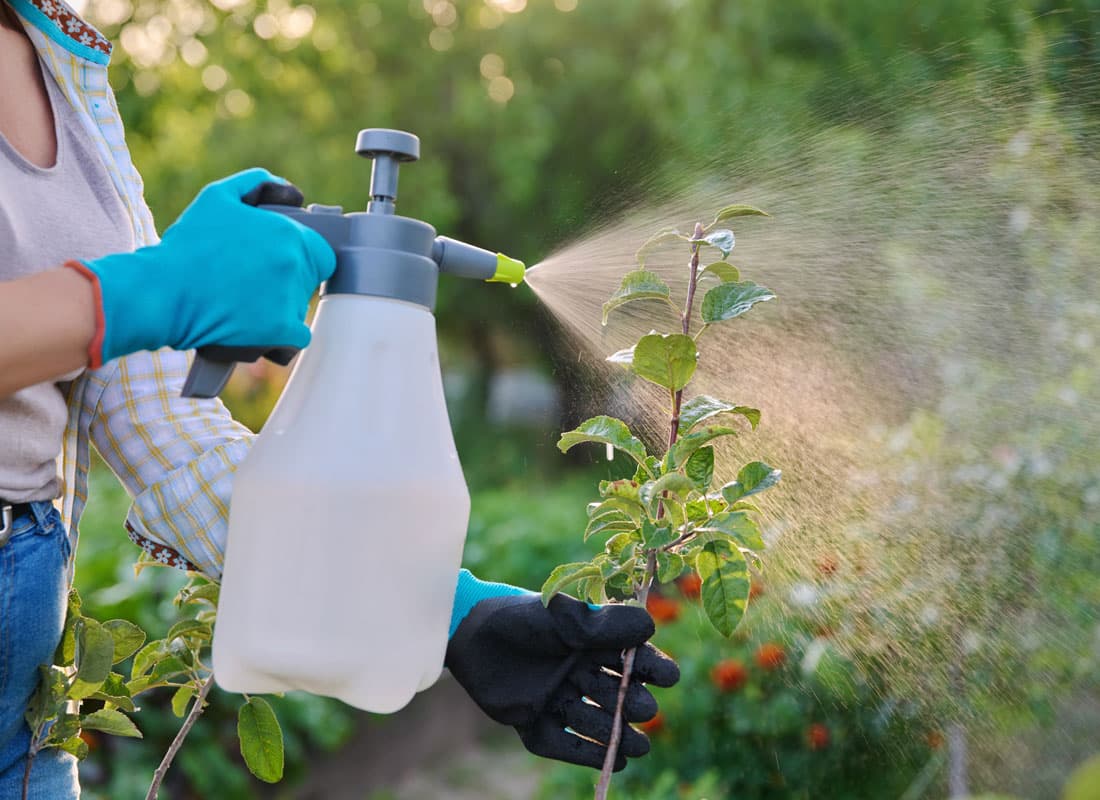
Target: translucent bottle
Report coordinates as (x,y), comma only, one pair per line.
(348,518)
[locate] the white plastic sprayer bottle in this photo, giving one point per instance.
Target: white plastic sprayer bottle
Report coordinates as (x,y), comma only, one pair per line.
(348,517)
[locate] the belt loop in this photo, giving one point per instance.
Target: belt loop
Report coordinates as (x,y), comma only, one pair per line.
(6,523)
(40,510)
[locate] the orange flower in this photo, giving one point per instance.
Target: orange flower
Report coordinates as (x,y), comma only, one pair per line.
(817,736)
(827,565)
(655,725)
(729,675)
(770,656)
(662,609)
(90,739)
(690,585)
(756,588)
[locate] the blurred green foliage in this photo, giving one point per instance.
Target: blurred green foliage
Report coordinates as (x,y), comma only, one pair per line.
(774,712)
(538,122)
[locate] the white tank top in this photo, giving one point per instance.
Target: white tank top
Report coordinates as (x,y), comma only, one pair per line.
(48,216)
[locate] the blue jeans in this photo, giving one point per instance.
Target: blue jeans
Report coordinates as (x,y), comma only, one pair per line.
(33,594)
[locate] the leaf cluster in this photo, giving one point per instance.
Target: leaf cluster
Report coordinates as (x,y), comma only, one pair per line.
(84,669)
(670,517)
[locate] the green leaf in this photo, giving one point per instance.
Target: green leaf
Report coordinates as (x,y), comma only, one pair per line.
(593,590)
(753,478)
(169,667)
(730,300)
(626,489)
(667,361)
(76,746)
(669,566)
(617,545)
(189,629)
(704,407)
(66,726)
(147,656)
(66,648)
(722,238)
(725,589)
(653,536)
(650,468)
(110,721)
(698,510)
(637,285)
(738,526)
(48,697)
(722,270)
(604,430)
(700,468)
(128,638)
(663,235)
(181,699)
(261,739)
(94,655)
(565,575)
(674,483)
(608,523)
(203,593)
(737,210)
(686,445)
(631,507)
(115,691)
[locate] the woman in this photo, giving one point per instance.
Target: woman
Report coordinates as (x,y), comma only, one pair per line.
(90,297)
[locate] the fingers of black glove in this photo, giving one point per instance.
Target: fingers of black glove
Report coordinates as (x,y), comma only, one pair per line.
(609,626)
(600,687)
(653,666)
(549,739)
(594,722)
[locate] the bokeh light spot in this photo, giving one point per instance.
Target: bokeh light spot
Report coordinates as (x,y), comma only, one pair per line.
(501,89)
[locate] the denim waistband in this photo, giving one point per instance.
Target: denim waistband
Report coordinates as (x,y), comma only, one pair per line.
(38,515)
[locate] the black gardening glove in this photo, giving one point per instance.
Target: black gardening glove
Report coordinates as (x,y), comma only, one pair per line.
(528,666)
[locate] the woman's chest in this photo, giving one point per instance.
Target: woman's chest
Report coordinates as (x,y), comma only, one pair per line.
(26,118)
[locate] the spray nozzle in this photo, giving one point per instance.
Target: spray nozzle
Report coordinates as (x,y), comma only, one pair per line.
(466,261)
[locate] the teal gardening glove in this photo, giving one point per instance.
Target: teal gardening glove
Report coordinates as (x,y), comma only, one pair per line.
(225,273)
(544,669)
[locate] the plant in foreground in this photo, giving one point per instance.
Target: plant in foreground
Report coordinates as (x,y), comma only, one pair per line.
(84,673)
(668,518)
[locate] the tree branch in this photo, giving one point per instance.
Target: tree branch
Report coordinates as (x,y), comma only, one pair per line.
(642,596)
(192,718)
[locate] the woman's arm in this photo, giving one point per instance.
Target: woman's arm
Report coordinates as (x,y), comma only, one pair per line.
(225,273)
(46,324)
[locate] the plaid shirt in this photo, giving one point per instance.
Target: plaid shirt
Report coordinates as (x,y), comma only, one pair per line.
(176,457)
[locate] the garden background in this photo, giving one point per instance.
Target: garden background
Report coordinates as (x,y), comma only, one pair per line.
(540,121)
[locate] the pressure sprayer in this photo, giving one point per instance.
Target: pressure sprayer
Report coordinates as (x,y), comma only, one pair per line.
(349,514)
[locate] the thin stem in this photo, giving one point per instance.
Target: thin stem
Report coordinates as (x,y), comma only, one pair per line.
(651,560)
(27,771)
(192,718)
(624,685)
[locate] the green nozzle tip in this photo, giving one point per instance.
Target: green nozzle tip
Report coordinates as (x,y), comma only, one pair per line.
(509,270)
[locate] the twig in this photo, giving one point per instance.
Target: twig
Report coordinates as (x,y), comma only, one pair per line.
(27,770)
(642,595)
(192,718)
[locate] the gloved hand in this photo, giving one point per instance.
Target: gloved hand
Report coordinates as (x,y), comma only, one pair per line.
(528,666)
(225,273)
